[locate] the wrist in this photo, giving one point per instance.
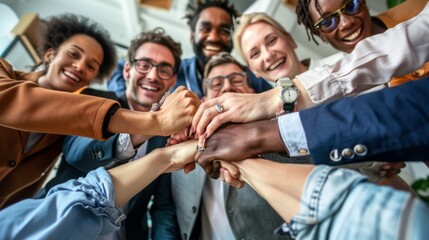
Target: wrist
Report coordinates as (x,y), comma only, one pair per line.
(304,101)
(157,127)
(164,159)
(267,137)
(137,140)
(272,103)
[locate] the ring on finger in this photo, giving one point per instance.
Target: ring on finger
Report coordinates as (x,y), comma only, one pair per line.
(200,148)
(219,108)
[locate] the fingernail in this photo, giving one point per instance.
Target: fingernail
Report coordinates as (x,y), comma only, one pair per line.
(187,132)
(386,167)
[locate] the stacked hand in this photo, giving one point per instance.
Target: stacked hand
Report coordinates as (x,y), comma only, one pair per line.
(236,107)
(389,169)
(177,111)
(231,142)
(225,144)
(180,155)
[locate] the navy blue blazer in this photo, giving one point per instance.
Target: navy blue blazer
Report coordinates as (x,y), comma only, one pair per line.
(81,155)
(387,125)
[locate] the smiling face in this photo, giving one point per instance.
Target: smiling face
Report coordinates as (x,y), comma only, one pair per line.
(74,65)
(226,70)
(212,33)
(269,52)
(350,30)
(145,89)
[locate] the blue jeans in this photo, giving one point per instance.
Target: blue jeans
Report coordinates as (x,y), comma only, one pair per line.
(341,204)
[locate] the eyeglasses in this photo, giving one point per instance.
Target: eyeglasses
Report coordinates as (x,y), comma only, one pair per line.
(236,79)
(330,23)
(164,70)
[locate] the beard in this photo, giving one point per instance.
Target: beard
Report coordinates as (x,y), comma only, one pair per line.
(199,52)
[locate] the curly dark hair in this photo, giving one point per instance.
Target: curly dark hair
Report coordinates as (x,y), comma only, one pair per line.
(156,36)
(193,12)
(303,14)
(58,29)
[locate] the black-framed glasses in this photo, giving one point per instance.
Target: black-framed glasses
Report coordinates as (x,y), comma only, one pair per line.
(236,79)
(330,23)
(144,65)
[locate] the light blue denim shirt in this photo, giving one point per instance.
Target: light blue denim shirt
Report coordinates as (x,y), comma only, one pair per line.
(339,203)
(77,209)
(293,134)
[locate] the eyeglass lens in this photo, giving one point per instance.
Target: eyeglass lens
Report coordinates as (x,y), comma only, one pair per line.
(330,23)
(164,70)
(235,79)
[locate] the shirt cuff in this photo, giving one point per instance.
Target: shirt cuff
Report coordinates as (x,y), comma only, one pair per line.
(321,84)
(124,147)
(293,135)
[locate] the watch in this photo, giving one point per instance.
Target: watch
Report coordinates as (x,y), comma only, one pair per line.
(288,94)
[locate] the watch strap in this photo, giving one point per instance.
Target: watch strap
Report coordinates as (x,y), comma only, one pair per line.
(286,83)
(288,107)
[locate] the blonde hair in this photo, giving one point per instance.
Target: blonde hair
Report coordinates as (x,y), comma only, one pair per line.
(249,19)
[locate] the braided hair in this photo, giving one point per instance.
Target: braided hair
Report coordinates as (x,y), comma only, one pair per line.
(303,14)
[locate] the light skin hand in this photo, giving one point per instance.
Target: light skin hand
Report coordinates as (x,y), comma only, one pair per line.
(389,172)
(230,174)
(175,114)
(228,144)
(180,137)
(390,169)
(137,139)
(213,168)
(279,183)
(177,111)
(130,178)
(235,142)
(181,155)
(227,177)
(238,108)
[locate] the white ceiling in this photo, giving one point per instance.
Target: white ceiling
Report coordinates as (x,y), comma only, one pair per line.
(124,19)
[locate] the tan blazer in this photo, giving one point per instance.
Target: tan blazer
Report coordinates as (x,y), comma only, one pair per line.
(26,107)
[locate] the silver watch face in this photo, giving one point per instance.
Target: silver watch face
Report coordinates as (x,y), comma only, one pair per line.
(289,95)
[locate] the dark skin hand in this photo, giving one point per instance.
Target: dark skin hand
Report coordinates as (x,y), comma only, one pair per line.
(235,142)
(391,169)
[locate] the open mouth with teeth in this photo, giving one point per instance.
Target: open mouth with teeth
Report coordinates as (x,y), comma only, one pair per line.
(352,37)
(276,64)
(71,76)
(149,88)
(212,48)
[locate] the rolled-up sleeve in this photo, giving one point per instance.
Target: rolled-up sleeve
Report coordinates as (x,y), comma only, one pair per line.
(78,209)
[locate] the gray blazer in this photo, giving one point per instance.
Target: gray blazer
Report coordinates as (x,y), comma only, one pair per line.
(250,216)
